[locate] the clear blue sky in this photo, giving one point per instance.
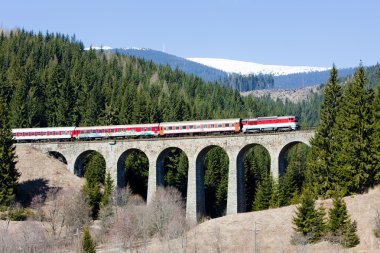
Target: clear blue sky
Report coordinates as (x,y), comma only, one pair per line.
(282,32)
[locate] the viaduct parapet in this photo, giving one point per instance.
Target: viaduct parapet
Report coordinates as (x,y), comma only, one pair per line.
(195,148)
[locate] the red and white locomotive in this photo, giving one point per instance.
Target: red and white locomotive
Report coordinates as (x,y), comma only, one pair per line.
(181,128)
(273,123)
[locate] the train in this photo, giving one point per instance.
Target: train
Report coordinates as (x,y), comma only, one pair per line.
(164,129)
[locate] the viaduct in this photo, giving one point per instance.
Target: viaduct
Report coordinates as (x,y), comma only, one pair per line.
(236,146)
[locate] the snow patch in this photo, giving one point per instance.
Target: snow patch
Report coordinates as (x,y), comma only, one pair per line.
(99,48)
(246,68)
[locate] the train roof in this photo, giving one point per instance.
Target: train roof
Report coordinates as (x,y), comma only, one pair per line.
(117,126)
(271,117)
(43,129)
(201,122)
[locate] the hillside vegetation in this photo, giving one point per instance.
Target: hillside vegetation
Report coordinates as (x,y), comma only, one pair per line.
(226,234)
(50,80)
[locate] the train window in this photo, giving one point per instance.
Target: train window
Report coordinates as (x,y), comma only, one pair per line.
(112,130)
(198,126)
(149,129)
(191,127)
(177,127)
(170,128)
(219,125)
(205,126)
(212,125)
(38,133)
(227,124)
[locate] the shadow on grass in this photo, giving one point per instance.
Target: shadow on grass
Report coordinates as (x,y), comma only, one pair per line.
(35,190)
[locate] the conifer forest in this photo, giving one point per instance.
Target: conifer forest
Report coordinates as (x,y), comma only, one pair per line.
(50,80)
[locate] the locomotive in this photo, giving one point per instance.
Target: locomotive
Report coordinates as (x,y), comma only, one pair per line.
(164,129)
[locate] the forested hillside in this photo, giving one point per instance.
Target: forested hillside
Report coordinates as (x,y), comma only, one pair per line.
(206,73)
(50,80)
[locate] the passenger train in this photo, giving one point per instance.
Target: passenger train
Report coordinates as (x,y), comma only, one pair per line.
(165,129)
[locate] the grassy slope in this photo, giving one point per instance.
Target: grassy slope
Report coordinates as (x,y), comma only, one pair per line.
(233,233)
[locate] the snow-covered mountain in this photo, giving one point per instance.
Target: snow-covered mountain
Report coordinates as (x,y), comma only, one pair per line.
(245,68)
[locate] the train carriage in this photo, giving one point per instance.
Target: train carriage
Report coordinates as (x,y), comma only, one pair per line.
(200,127)
(270,123)
(118,131)
(40,134)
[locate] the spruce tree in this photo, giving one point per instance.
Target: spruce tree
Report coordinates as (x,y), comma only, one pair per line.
(319,165)
(338,216)
(340,225)
(352,133)
(8,173)
(350,238)
(264,193)
(108,189)
(88,245)
(375,144)
(308,220)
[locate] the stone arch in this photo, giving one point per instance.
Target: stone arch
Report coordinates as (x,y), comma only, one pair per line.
(283,152)
(160,164)
(121,173)
(80,160)
(240,176)
(200,173)
(57,155)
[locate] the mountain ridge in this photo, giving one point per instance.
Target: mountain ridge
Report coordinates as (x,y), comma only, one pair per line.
(246,68)
(293,79)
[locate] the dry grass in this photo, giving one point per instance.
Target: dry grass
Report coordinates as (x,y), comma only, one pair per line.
(233,233)
(35,165)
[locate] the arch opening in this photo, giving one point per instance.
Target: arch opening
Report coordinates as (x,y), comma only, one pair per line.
(175,166)
(58,156)
(292,172)
(133,171)
(253,168)
(91,162)
(212,171)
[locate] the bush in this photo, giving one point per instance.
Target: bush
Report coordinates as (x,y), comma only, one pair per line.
(88,245)
(16,213)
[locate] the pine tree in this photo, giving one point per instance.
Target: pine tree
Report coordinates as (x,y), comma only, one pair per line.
(308,220)
(94,175)
(264,193)
(340,225)
(375,144)
(93,197)
(108,189)
(319,175)
(8,173)
(352,137)
(88,245)
(338,216)
(350,238)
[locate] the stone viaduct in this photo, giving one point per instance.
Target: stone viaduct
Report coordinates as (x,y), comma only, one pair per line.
(236,146)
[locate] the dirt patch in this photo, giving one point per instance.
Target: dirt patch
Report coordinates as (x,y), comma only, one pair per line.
(42,174)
